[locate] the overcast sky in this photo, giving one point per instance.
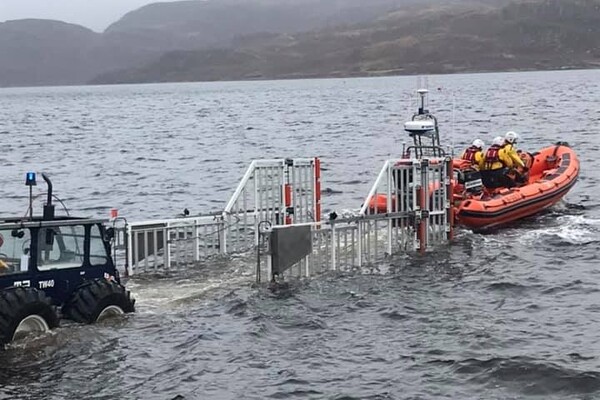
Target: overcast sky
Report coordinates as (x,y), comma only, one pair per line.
(94,14)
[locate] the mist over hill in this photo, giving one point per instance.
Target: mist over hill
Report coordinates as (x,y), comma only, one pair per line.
(216,22)
(26,57)
(263,39)
(43,52)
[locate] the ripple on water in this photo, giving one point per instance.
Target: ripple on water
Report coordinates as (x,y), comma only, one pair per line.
(529,376)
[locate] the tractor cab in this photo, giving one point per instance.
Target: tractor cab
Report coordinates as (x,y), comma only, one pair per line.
(54,266)
(55,256)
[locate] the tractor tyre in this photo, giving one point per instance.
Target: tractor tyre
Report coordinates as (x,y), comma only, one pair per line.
(25,310)
(97,299)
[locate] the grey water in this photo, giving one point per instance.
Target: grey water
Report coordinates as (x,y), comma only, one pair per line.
(509,315)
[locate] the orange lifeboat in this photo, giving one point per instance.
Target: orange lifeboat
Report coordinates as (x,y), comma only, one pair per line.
(552,173)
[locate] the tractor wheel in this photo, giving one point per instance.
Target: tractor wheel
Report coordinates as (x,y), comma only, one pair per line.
(24,311)
(97,299)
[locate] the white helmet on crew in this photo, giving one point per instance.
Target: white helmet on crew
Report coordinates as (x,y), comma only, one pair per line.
(511,137)
(478,143)
(498,141)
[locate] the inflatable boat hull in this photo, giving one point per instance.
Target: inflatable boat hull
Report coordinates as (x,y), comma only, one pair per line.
(553,172)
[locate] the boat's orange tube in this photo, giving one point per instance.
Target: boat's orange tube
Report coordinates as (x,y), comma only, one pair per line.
(378,203)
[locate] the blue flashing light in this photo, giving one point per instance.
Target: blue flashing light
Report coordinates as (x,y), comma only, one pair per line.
(30,179)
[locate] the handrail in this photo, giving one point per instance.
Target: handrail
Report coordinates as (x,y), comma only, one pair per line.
(240,188)
(440,149)
(173,220)
(380,177)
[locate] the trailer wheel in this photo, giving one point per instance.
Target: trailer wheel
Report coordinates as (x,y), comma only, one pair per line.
(24,311)
(98,299)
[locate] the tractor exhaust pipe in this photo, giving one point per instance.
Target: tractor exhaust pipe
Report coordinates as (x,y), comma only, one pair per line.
(48,207)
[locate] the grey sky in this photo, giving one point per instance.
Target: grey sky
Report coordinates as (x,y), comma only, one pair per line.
(94,14)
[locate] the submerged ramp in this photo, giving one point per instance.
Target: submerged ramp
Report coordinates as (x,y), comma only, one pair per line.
(275,212)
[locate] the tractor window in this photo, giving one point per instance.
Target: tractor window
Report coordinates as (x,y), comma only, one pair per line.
(98,254)
(14,250)
(61,247)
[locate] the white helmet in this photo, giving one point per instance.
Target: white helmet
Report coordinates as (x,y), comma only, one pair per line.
(478,143)
(511,137)
(498,141)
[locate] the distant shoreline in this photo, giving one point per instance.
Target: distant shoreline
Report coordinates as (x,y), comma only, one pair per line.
(308,77)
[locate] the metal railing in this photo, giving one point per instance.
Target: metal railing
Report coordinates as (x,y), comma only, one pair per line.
(272,192)
(407,209)
(174,243)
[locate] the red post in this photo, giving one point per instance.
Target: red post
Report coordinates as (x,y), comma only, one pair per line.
(287,199)
(422,231)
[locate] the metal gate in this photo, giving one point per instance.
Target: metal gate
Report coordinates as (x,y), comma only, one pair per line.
(408,208)
(272,192)
(419,193)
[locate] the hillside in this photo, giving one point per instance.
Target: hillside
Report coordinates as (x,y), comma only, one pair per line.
(259,39)
(42,52)
(198,24)
(543,34)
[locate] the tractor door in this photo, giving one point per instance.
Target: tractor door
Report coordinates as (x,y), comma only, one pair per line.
(100,261)
(69,255)
(15,246)
(60,261)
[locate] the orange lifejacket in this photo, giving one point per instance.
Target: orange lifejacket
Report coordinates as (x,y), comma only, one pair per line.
(492,155)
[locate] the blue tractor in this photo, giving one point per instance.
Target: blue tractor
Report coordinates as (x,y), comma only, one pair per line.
(56,267)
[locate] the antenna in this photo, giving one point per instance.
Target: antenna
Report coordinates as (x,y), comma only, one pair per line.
(453,120)
(409,112)
(423,95)
(427,87)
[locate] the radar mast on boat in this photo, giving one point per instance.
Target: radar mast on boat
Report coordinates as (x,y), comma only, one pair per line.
(423,128)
